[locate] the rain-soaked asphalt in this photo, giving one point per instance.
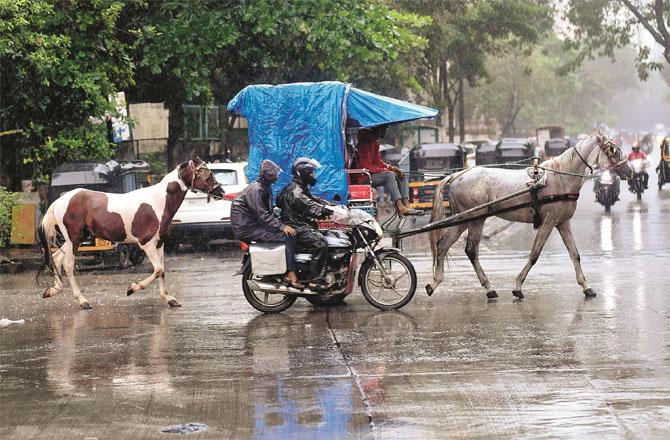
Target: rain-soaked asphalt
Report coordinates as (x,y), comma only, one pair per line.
(453,365)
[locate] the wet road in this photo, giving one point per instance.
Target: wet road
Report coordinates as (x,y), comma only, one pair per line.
(453,365)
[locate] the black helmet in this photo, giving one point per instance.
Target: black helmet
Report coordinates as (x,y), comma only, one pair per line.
(302,167)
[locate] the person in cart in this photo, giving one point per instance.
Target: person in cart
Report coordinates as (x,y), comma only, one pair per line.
(390,177)
(300,209)
(252,219)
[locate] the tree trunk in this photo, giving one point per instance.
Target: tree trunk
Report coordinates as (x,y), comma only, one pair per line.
(451,109)
(461,109)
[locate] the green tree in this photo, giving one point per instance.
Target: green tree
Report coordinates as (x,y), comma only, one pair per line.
(205,50)
(59,63)
(599,27)
(462,35)
(529,89)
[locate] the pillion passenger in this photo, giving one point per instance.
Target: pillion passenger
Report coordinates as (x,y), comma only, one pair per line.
(252,219)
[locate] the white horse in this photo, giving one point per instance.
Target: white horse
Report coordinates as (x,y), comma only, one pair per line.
(142,216)
(557,202)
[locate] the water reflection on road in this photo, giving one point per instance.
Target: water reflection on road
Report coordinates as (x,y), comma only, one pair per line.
(453,365)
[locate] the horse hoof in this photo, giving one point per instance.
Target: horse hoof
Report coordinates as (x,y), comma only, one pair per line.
(47,293)
(518,294)
(174,303)
(590,293)
(130,291)
(491,294)
(85,305)
(429,289)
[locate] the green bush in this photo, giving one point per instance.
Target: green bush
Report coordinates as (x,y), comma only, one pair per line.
(7,201)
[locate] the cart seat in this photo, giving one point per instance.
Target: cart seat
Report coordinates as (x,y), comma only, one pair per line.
(360,192)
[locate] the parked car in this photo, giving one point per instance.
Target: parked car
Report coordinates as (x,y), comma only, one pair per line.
(197,221)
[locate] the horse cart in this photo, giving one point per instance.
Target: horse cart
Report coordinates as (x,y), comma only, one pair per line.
(321,121)
(111,177)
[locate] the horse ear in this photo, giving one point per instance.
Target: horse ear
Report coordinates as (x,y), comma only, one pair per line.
(196,159)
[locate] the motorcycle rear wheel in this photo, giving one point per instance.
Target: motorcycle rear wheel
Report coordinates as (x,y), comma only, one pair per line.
(262,301)
(398,295)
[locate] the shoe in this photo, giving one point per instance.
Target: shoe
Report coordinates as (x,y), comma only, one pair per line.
(412,212)
(293,283)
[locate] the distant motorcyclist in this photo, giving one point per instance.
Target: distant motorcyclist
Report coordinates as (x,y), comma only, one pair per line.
(252,219)
(637,154)
(300,209)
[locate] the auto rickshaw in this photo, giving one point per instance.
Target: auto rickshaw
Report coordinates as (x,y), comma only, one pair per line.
(320,121)
(486,154)
(111,177)
(429,163)
(513,150)
(555,147)
(663,168)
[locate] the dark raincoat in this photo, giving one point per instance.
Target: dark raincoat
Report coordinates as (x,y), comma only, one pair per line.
(251,214)
(300,209)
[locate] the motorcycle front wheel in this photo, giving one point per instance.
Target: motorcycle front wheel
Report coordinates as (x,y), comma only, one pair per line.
(392,293)
(263,301)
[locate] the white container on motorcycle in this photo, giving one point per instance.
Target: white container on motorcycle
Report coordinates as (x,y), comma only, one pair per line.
(268,258)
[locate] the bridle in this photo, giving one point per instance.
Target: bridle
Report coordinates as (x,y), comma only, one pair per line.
(611,150)
(203,173)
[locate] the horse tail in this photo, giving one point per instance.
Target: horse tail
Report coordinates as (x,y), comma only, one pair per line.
(47,233)
(438,206)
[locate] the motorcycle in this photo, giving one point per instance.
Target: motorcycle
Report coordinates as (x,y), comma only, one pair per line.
(607,192)
(387,279)
(636,183)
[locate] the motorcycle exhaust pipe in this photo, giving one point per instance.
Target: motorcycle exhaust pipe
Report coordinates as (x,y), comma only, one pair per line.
(278,288)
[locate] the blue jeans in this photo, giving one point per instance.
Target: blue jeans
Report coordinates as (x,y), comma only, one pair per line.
(395,186)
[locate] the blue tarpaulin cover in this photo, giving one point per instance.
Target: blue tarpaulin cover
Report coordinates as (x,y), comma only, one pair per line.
(307,119)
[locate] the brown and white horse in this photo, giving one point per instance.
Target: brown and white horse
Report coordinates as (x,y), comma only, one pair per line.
(142,216)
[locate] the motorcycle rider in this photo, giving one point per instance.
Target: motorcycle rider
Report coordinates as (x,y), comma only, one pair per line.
(300,209)
(637,154)
(252,219)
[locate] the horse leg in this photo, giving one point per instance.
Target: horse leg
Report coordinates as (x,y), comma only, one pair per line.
(569,241)
(171,300)
(68,264)
(540,239)
(58,286)
(472,251)
(440,244)
(155,256)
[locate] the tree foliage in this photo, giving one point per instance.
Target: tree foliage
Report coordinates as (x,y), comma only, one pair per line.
(599,27)
(463,34)
(59,63)
(528,89)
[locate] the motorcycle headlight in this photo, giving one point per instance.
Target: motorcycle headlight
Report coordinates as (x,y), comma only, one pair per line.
(606,177)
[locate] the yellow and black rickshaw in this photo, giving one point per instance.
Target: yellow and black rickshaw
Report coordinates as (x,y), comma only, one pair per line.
(111,177)
(663,168)
(429,163)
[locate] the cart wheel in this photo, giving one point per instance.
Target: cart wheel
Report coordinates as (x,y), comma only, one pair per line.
(265,302)
(388,294)
(329,302)
(123,256)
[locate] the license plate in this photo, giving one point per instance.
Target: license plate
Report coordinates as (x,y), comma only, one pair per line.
(101,242)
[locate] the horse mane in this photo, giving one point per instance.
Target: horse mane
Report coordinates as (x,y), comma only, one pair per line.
(568,156)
